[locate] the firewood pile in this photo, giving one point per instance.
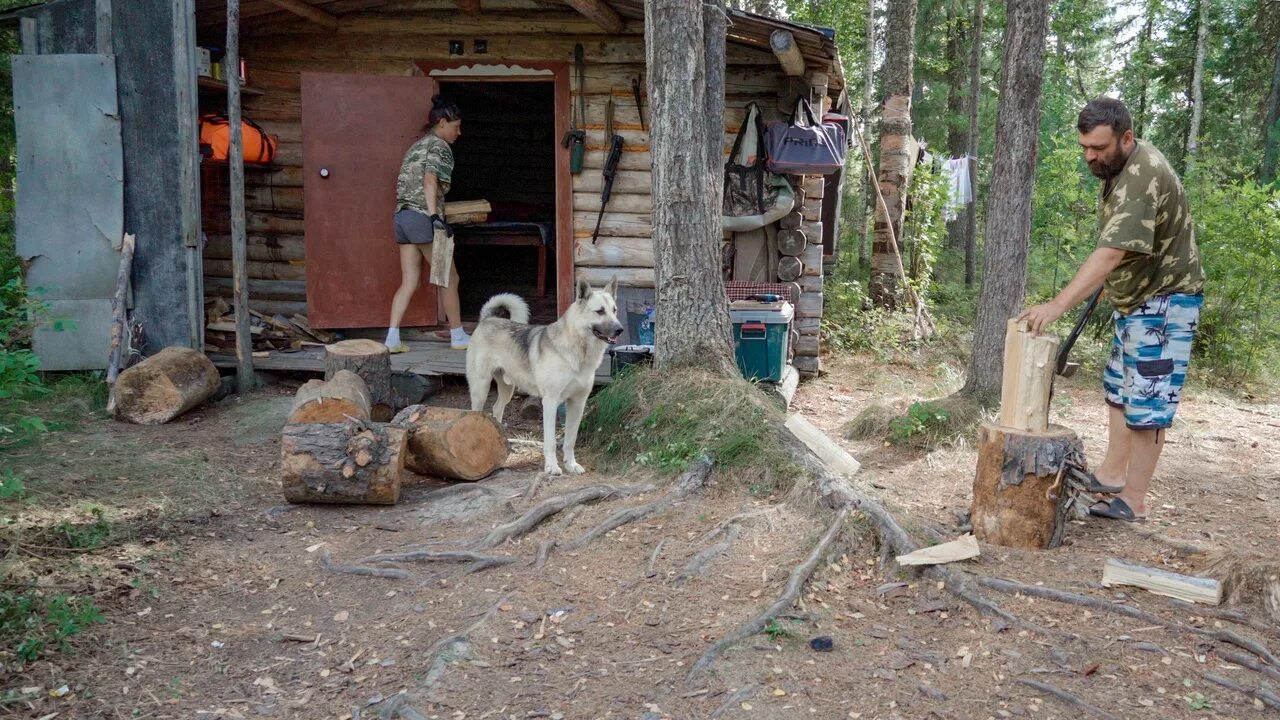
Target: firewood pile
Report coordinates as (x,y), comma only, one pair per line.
(270,333)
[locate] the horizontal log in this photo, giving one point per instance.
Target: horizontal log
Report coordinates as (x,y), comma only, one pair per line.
(626,181)
(812,257)
(789,268)
(629,160)
(289,290)
(264,224)
(810,305)
(813,186)
(627,277)
(258,269)
(613,224)
(810,283)
(812,211)
(615,252)
(807,326)
(623,203)
(443,24)
(269,248)
(266,198)
(812,231)
(808,345)
(807,365)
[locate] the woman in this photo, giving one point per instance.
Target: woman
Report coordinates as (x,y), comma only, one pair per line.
(420,189)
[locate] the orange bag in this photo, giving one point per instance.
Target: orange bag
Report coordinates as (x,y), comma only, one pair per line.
(215,139)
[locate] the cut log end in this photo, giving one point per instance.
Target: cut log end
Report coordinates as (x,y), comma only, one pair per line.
(452,443)
(164,386)
(328,401)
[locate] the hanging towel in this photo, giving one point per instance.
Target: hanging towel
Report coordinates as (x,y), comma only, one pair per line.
(959,189)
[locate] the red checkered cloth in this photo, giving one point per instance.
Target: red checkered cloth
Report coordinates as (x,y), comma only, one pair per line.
(742,290)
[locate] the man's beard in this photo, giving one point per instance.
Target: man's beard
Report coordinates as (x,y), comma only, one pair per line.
(1108,170)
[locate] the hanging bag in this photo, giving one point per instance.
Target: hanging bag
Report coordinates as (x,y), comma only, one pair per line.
(215,140)
(744,185)
(805,146)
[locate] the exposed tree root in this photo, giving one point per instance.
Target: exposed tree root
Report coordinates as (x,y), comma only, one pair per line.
(1267,697)
(742,695)
(1246,661)
(1226,636)
(653,558)
(456,648)
(692,481)
(784,602)
(544,551)
(478,561)
(699,562)
(1236,616)
(545,509)
(1067,698)
(396,706)
(327,563)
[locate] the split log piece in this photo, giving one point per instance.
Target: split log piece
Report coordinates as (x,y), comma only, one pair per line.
(1162,582)
(371,360)
(785,601)
(692,481)
(1028,378)
(791,242)
(1019,497)
(349,462)
(329,401)
(1067,698)
(327,563)
(164,386)
(545,509)
(789,268)
(452,443)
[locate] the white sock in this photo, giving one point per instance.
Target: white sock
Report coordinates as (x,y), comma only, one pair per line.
(458,334)
(393,337)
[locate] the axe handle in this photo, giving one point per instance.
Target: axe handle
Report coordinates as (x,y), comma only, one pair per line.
(1065,351)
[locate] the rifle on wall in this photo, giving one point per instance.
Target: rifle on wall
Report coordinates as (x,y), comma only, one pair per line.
(610,167)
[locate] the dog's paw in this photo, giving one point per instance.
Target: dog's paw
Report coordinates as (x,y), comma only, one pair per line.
(552,469)
(574,468)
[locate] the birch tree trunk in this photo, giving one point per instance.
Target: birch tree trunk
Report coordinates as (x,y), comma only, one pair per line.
(868,97)
(693,313)
(1271,124)
(1197,86)
(975,105)
(1013,174)
(895,151)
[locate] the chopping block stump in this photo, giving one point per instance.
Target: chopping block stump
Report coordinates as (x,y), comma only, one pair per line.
(371,360)
(1019,496)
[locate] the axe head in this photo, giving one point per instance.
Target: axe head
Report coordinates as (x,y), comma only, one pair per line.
(1069,369)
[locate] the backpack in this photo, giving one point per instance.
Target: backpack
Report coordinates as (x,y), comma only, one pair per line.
(215,139)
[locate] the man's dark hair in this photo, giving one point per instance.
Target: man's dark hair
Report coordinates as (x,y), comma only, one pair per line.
(1105,111)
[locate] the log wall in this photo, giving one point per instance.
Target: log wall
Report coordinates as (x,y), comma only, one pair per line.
(396,43)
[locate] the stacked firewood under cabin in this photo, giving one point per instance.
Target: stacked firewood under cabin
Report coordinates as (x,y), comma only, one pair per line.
(270,333)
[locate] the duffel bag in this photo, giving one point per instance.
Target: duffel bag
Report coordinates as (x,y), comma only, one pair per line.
(215,139)
(805,146)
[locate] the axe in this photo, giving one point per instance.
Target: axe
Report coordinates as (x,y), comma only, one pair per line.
(1064,367)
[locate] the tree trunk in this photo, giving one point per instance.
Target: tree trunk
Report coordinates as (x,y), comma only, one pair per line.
(1018,499)
(895,151)
(164,386)
(1013,174)
(343,396)
(693,313)
(350,462)
(1197,86)
(1141,62)
(371,360)
(1271,125)
(451,443)
(868,97)
(957,139)
(975,106)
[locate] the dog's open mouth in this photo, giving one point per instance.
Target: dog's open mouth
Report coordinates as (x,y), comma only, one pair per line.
(611,339)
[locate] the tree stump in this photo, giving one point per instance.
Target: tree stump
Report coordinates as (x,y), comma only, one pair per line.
(371,360)
(791,242)
(1019,499)
(789,268)
(164,386)
(452,443)
(343,396)
(347,462)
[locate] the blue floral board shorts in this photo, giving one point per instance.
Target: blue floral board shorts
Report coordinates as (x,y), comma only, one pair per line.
(1149,355)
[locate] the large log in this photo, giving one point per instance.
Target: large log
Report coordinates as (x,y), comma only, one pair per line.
(341,397)
(164,386)
(371,360)
(1019,498)
(452,443)
(348,462)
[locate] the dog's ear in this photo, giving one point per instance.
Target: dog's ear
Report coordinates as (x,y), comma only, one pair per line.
(584,289)
(612,287)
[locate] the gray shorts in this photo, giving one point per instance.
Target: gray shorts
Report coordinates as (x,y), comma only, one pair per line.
(413,228)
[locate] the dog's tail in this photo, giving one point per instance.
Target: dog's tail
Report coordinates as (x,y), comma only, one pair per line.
(517,309)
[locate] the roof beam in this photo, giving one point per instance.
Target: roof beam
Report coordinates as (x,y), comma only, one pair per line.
(469,6)
(784,47)
(312,13)
(599,12)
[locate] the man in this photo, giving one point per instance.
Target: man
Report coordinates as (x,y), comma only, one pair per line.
(1148,264)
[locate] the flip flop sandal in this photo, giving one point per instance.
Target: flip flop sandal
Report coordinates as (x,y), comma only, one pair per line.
(1114,509)
(1090,483)
(399,349)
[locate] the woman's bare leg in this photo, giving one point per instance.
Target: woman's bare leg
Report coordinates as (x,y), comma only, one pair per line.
(410,275)
(449,299)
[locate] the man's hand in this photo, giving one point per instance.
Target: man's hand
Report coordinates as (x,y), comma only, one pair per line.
(1040,317)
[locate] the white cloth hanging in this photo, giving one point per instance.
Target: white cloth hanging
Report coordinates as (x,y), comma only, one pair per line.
(959,188)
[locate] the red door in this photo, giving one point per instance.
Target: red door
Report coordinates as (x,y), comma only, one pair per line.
(355,131)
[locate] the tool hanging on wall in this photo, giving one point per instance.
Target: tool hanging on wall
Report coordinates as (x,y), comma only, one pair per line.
(635,91)
(610,166)
(576,138)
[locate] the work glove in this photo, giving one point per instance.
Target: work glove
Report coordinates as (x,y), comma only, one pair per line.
(438,223)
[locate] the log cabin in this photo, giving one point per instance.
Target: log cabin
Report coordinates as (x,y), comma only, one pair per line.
(344,87)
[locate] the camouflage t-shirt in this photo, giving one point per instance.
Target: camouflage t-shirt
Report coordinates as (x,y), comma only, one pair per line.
(1143,211)
(428,155)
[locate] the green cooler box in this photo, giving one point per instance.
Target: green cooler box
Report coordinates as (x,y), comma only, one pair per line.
(760,334)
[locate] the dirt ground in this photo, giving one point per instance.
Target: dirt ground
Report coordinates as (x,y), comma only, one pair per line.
(218,605)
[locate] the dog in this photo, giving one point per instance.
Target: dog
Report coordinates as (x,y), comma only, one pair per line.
(555,362)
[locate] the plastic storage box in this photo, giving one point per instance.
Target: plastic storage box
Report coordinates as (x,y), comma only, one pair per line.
(760,335)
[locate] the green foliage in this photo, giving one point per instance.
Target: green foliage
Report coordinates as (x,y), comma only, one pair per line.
(924,231)
(921,417)
(86,537)
(12,486)
(32,624)
(775,631)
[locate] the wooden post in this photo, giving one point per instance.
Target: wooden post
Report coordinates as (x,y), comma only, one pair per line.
(235,158)
(102,31)
(119,320)
(30,33)
(1028,377)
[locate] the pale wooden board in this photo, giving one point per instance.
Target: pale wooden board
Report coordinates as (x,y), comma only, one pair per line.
(962,548)
(1162,582)
(827,451)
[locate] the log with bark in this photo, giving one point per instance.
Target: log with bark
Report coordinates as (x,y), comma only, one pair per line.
(452,443)
(347,462)
(164,386)
(343,396)
(1020,498)
(371,360)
